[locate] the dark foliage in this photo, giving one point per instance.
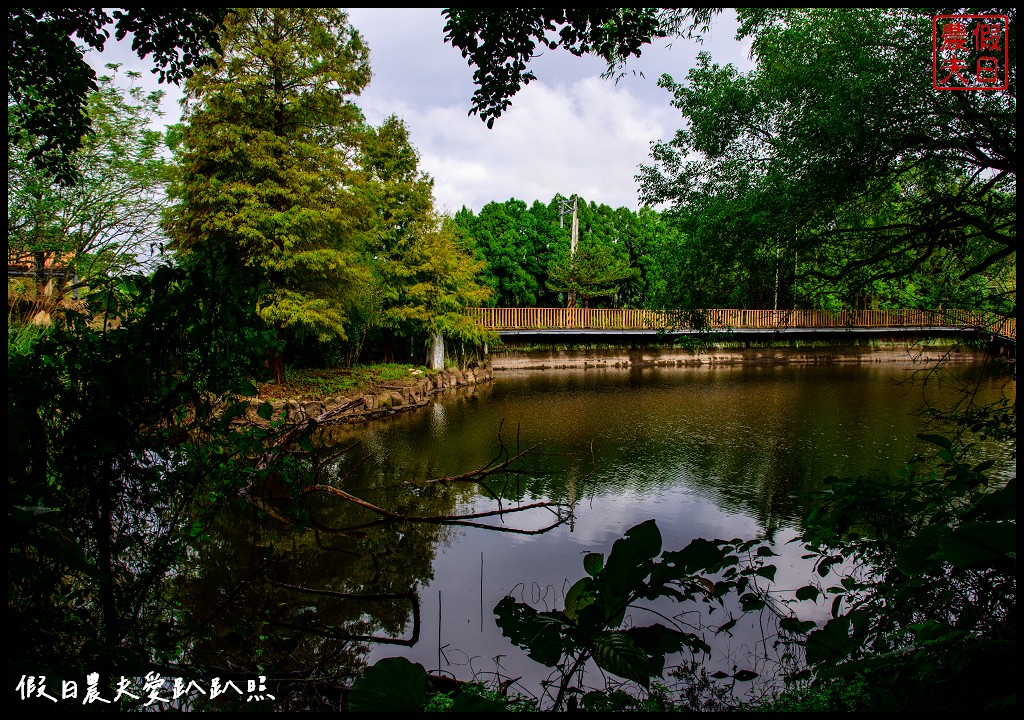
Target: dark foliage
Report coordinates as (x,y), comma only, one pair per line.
(49,80)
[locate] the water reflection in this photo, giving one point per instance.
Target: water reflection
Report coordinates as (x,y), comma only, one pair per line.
(275,598)
(710,452)
(715,452)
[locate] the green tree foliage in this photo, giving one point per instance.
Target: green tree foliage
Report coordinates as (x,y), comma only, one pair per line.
(689,273)
(508,237)
(49,82)
(845,161)
(434,280)
(424,271)
(120,443)
(600,265)
(837,159)
(593,271)
(267,164)
(123,446)
(635,236)
(922,581)
(108,222)
(527,253)
(400,194)
(824,178)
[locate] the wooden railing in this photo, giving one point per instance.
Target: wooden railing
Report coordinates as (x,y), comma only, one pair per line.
(727,319)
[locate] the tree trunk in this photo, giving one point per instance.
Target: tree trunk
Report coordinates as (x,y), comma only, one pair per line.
(275,362)
(435,353)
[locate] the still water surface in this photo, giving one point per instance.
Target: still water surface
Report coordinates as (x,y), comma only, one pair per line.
(713,452)
(716,452)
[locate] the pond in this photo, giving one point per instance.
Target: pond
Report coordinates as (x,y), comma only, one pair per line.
(713,452)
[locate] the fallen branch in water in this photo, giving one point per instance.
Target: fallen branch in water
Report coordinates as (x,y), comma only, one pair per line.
(324,417)
(486,470)
(502,463)
(389,516)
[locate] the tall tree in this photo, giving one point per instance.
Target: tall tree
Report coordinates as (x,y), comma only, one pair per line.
(846,156)
(424,271)
(109,221)
(436,277)
(594,271)
(267,165)
(49,81)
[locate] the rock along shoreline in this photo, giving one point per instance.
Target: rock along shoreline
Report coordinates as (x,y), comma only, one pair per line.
(374,402)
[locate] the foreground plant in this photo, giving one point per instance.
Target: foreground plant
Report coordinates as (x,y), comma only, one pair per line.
(921,572)
(591,626)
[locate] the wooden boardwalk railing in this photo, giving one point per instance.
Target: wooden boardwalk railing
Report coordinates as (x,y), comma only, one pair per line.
(728,319)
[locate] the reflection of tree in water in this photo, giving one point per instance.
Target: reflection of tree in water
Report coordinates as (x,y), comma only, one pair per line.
(296,584)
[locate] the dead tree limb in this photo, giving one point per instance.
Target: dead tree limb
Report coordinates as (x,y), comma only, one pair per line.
(482,472)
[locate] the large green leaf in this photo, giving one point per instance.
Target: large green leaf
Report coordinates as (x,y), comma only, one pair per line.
(795,625)
(593,563)
(630,558)
(700,556)
(617,653)
(830,644)
(808,592)
(942,442)
(660,639)
(540,634)
(580,595)
(390,685)
(629,564)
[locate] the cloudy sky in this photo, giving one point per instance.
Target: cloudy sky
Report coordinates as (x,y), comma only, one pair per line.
(567,132)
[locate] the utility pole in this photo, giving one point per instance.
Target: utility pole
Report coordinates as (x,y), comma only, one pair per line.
(573,238)
(778,252)
(575,228)
(796,255)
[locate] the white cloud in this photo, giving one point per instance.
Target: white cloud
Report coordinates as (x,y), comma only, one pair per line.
(586,138)
(567,132)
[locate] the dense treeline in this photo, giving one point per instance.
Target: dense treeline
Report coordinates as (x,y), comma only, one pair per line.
(659,259)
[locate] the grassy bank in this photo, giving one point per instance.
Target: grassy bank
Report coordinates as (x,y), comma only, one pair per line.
(339,381)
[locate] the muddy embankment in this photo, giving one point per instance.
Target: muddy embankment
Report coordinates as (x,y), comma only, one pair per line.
(374,402)
(541,359)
